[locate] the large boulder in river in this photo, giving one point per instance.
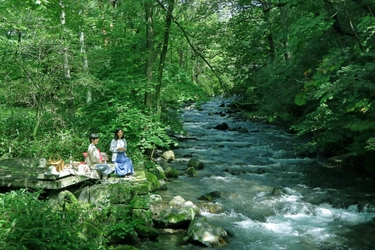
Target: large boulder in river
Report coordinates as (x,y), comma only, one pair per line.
(223,126)
(203,232)
(195,163)
(192,172)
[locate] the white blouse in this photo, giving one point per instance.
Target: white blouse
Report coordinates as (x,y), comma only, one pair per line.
(115,144)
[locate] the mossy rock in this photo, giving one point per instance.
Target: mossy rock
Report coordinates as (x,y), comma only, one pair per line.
(120,193)
(171,172)
(158,172)
(153,182)
(195,163)
(140,202)
(147,232)
(141,188)
(192,172)
(142,217)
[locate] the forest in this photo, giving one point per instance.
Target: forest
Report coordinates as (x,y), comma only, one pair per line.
(73,67)
(70,68)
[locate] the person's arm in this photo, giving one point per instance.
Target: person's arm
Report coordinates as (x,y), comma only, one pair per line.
(113,146)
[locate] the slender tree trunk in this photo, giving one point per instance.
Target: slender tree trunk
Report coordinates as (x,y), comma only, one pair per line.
(353,28)
(150,52)
(85,65)
(271,43)
(163,54)
(284,16)
(66,66)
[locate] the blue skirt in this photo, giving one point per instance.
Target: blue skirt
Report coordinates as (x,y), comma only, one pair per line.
(123,165)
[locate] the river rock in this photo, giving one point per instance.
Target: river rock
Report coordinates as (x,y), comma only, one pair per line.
(235,171)
(177,201)
(223,126)
(192,172)
(163,185)
(153,182)
(195,163)
(278,191)
(174,217)
(168,156)
(158,171)
(171,172)
(206,233)
(213,208)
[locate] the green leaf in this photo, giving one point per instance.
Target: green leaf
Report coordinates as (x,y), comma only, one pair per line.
(300,99)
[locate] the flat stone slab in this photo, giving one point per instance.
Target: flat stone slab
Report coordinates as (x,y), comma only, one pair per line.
(25,173)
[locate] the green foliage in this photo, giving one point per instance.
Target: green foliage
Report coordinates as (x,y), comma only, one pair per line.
(30,223)
(179,88)
(342,86)
(371,144)
(310,67)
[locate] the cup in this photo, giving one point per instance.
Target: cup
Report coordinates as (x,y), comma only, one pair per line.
(42,162)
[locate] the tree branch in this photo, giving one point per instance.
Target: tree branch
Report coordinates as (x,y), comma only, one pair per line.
(222,84)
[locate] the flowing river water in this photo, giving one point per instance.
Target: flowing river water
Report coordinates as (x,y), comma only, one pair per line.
(272,197)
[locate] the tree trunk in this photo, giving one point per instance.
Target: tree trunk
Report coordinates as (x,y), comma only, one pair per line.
(150,52)
(66,66)
(163,54)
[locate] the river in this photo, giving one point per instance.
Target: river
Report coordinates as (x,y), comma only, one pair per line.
(316,206)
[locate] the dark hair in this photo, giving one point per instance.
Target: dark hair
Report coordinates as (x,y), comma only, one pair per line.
(116,131)
(93,137)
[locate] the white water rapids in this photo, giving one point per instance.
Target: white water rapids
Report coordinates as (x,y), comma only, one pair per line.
(319,208)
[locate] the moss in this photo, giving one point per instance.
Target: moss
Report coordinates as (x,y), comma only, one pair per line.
(153,181)
(171,172)
(192,172)
(120,194)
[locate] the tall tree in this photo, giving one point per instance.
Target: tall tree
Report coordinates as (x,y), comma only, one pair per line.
(163,54)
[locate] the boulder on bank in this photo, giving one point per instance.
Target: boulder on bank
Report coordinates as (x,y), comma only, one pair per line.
(153,182)
(158,171)
(174,217)
(168,156)
(203,232)
(176,214)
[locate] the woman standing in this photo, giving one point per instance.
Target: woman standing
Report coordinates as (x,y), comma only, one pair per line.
(123,165)
(93,158)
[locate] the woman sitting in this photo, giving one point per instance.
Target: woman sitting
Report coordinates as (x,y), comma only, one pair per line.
(123,165)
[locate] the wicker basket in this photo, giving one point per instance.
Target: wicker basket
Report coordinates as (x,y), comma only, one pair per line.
(55,160)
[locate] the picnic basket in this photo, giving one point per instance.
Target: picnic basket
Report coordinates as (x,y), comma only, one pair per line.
(57,161)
